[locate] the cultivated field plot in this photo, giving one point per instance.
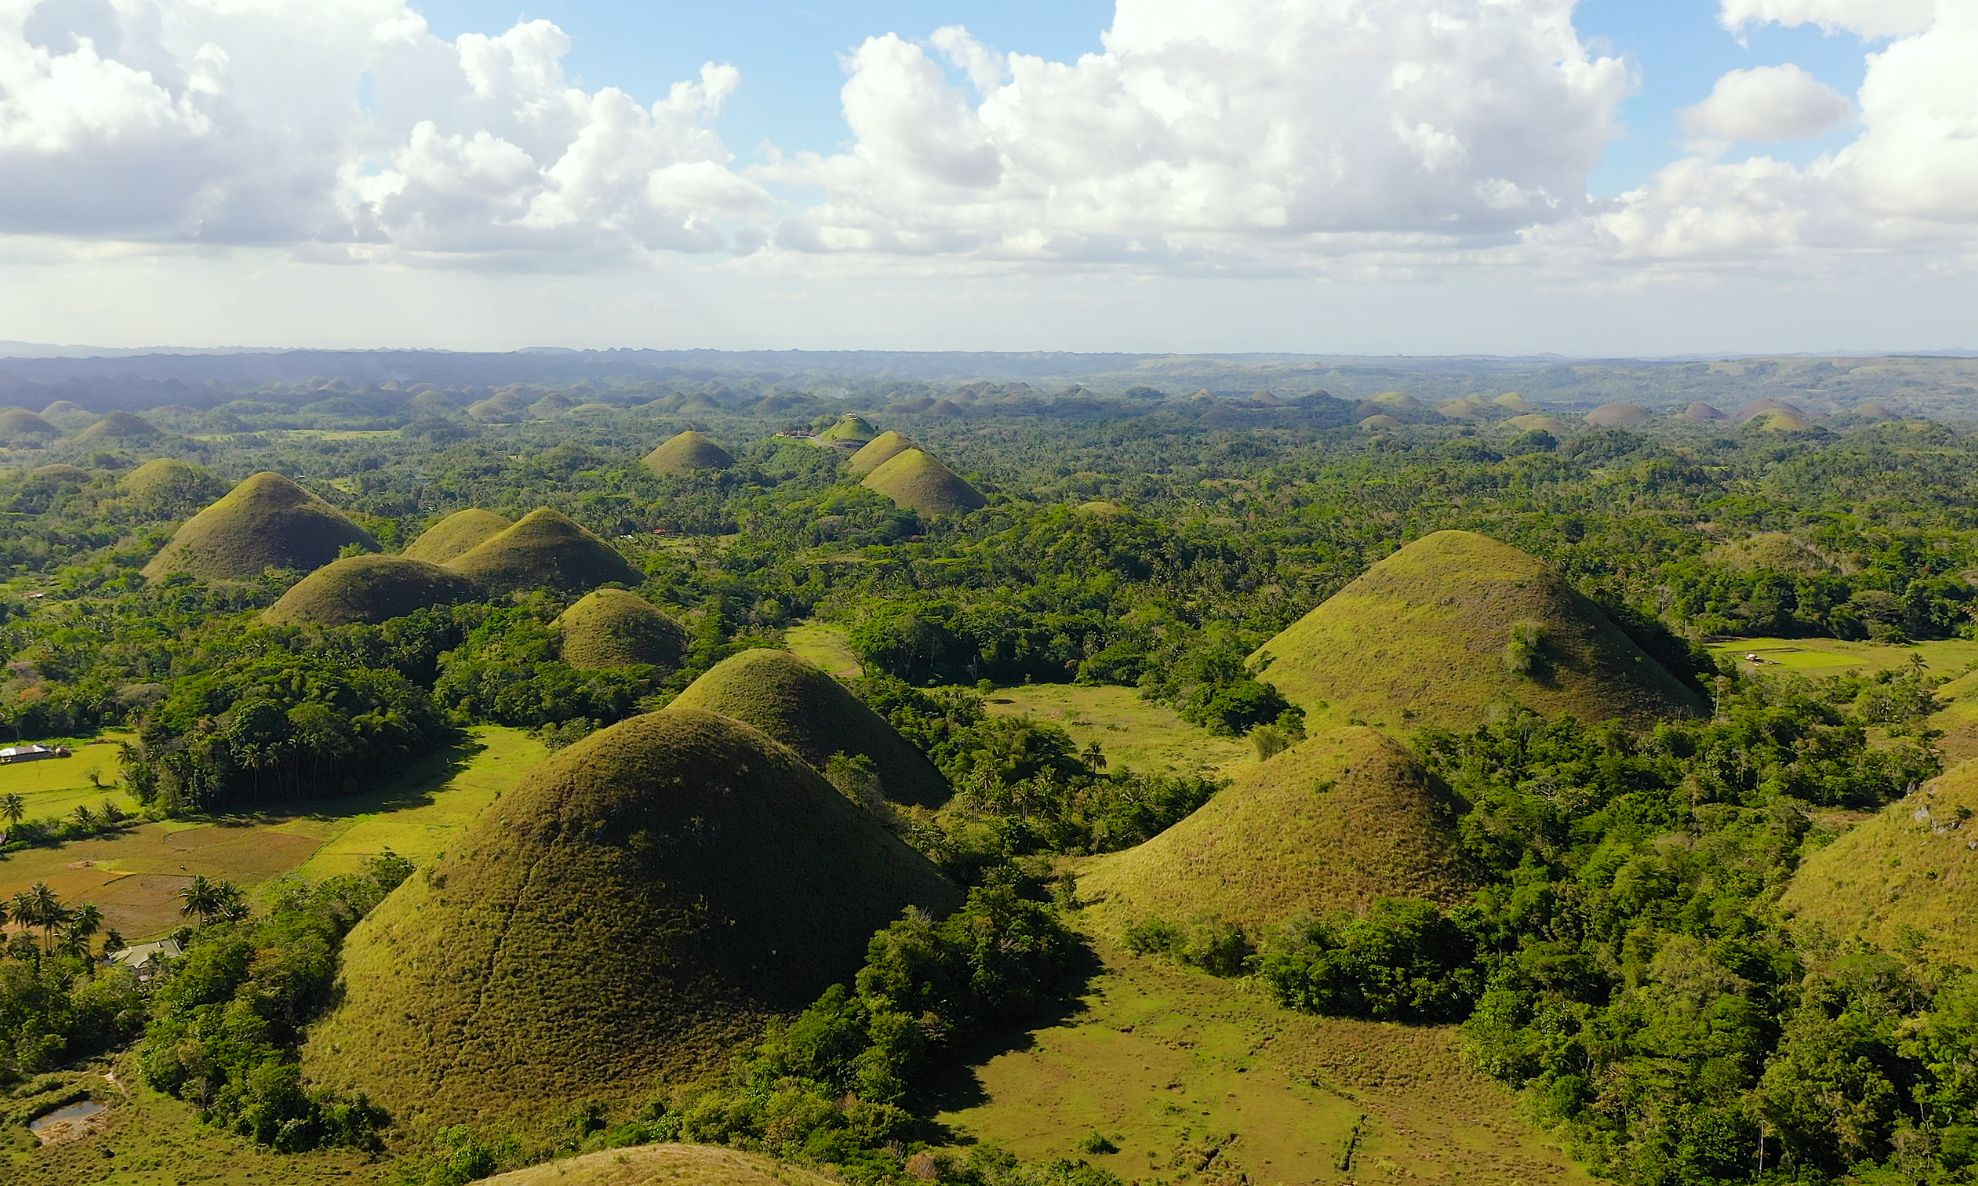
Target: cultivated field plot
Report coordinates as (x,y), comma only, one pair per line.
(1834,656)
(824,647)
(1132,732)
(135,876)
(55,787)
(1192,1078)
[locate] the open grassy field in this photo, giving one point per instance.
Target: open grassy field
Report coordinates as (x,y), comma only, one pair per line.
(135,876)
(57,786)
(1834,656)
(662,1165)
(1190,1078)
(1132,732)
(824,646)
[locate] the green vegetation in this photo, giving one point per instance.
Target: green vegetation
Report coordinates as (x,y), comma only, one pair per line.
(68,415)
(1133,733)
(613,628)
(1619,415)
(914,480)
(545,550)
(369,590)
(456,535)
(119,428)
(1337,822)
(20,428)
(1421,638)
(824,647)
(688,453)
(265,522)
(661,1165)
(851,429)
(805,709)
(633,911)
(170,488)
(877,452)
(1816,657)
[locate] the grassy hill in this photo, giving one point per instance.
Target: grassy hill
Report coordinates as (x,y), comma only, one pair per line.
(850,428)
(1337,822)
(614,628)
(265,522)
(68,415)
(815,715)
(170,487)
(368,589)
(1619,416)
(1958,718)
(456,535)
(1702,413)
(878,451)
(631,913)
(546,550)
(119,428)
(1538,422)
(661,1165)
(1426,637)
(1910,871)
(60,472)
(1780,420)
(18,426)
(688,453)
(916,481)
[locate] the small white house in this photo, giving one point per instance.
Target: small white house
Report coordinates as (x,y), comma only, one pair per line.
(31,753)
(144,958)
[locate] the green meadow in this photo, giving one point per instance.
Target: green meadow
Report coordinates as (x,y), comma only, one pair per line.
(1132,731)
(1835,656)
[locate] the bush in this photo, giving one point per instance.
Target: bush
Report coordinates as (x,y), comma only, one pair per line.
(1405,960)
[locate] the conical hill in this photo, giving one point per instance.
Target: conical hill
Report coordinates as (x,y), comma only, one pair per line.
(456,535)
(877,452)
(265,522)
(368,589)
(915,480)
(545,550)
(688,453)
(614,628)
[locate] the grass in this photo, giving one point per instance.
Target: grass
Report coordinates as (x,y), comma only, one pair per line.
(825,647)
(805,709)
(135,876)
(18,426)
(456,535)
(688,453)
(1337,822)
(1174,1068)
(631,913)
(661,1165)
(1132,731)
(1619,416)
(1906,875)
(170,487)
(1835,656)
(1958,719)
(849,428)
(57,786)
(546,550)
(119,426)
(613,628)
(877,452)
(68,415)
(1422,638)
(915,480)
(265,522)
(368,589)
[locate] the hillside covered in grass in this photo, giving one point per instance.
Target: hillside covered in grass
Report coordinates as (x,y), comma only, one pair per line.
(688,453)
(632,912)
(456,535)
(545,550)
(368,589)
(916,481)
(265,522)
(1456,626)
(614,628)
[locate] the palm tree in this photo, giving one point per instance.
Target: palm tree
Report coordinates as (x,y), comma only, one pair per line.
(84,816)
(84,921)
(228,903)
(13,807)
(198,897)
(38,906)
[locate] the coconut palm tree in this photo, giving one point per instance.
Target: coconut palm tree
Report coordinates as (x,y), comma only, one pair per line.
(13,807)
(84,816)
(38,906)
(199,897)
(83,923)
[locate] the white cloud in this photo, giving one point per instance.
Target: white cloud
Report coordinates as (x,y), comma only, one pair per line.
(348,122)
(1869,18)
(1768,103)
(1220,132)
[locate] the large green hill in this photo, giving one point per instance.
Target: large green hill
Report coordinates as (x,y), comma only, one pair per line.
(1426,637)
(456,535)
(1337,822)
(265,522)
(630,914)
(121,428)
(170,487)
(915,480)
(877,452)
(850,429)
(815,715)
(614,628)
(545,550)
(368,589)
(68,415)
(18,427)
(1911,870)
(688,453)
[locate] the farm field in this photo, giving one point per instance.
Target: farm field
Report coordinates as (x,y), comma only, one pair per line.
(134,877)
(1834,656)
(823,646)
(1179,1072)
(1133,732)
(57,786)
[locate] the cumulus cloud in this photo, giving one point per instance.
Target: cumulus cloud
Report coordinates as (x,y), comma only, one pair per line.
(1768,103)
(1868,18)
(348,122)
(1220,131)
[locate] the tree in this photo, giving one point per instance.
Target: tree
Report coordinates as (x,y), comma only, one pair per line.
(14,808)
(199,897)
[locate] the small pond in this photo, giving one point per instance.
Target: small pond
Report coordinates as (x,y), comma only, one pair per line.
(51,1124)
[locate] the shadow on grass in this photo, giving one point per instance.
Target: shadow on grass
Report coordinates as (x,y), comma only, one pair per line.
(958,1085)
(413,785)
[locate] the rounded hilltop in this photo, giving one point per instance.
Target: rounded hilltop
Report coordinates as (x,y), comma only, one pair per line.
(168,486)
(614,628)
(1336,822)
(1619,415)
(1453,628)
(20,427)
(265,522)
(805,709)
(369,590)
(849,430)
(121,428)
(68,415)
(1910,868)
(877,452)
(914,480)
(631,913)
(546,549)
(456,535)
(688,453)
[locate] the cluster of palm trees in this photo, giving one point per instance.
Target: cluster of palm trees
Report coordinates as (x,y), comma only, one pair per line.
(63,928)
(212,901)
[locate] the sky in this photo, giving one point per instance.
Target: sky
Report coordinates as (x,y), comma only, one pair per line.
(1601,178)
